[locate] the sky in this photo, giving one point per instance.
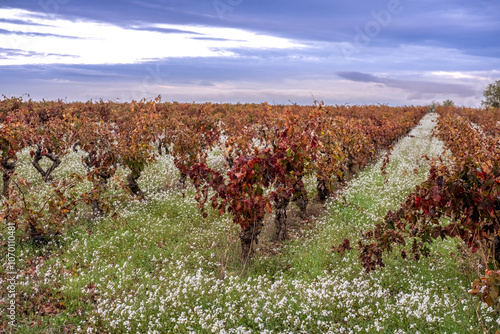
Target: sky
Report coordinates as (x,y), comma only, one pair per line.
(395,52)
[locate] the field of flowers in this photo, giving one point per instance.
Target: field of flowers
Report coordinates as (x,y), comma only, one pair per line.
(163,268)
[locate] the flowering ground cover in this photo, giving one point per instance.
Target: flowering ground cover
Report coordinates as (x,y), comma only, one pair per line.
(161,267)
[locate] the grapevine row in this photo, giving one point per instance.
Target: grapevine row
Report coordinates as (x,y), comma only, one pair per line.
(460,198)
(268,150)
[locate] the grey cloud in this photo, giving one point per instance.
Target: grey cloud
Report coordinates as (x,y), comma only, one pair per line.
(31,34)
(415,89)
(8,53)
(214,39)
(23,22)
(165,30)
(359,77)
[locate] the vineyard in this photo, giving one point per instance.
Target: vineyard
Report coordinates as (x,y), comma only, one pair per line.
(239,218)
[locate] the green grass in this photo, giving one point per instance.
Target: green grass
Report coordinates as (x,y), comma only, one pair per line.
(167,269)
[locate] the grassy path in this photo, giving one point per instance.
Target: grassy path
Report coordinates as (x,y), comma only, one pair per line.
(180,272)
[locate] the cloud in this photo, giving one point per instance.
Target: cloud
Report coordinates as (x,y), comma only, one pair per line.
(415,89)
(359,77)
(33,34)
(20,22)
(164,30)
(470,27)
(253,51)
(13,53)
(215,39)
(102,43)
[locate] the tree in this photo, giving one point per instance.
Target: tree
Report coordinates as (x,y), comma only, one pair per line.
(448,103)
(492,95)
(433,105)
